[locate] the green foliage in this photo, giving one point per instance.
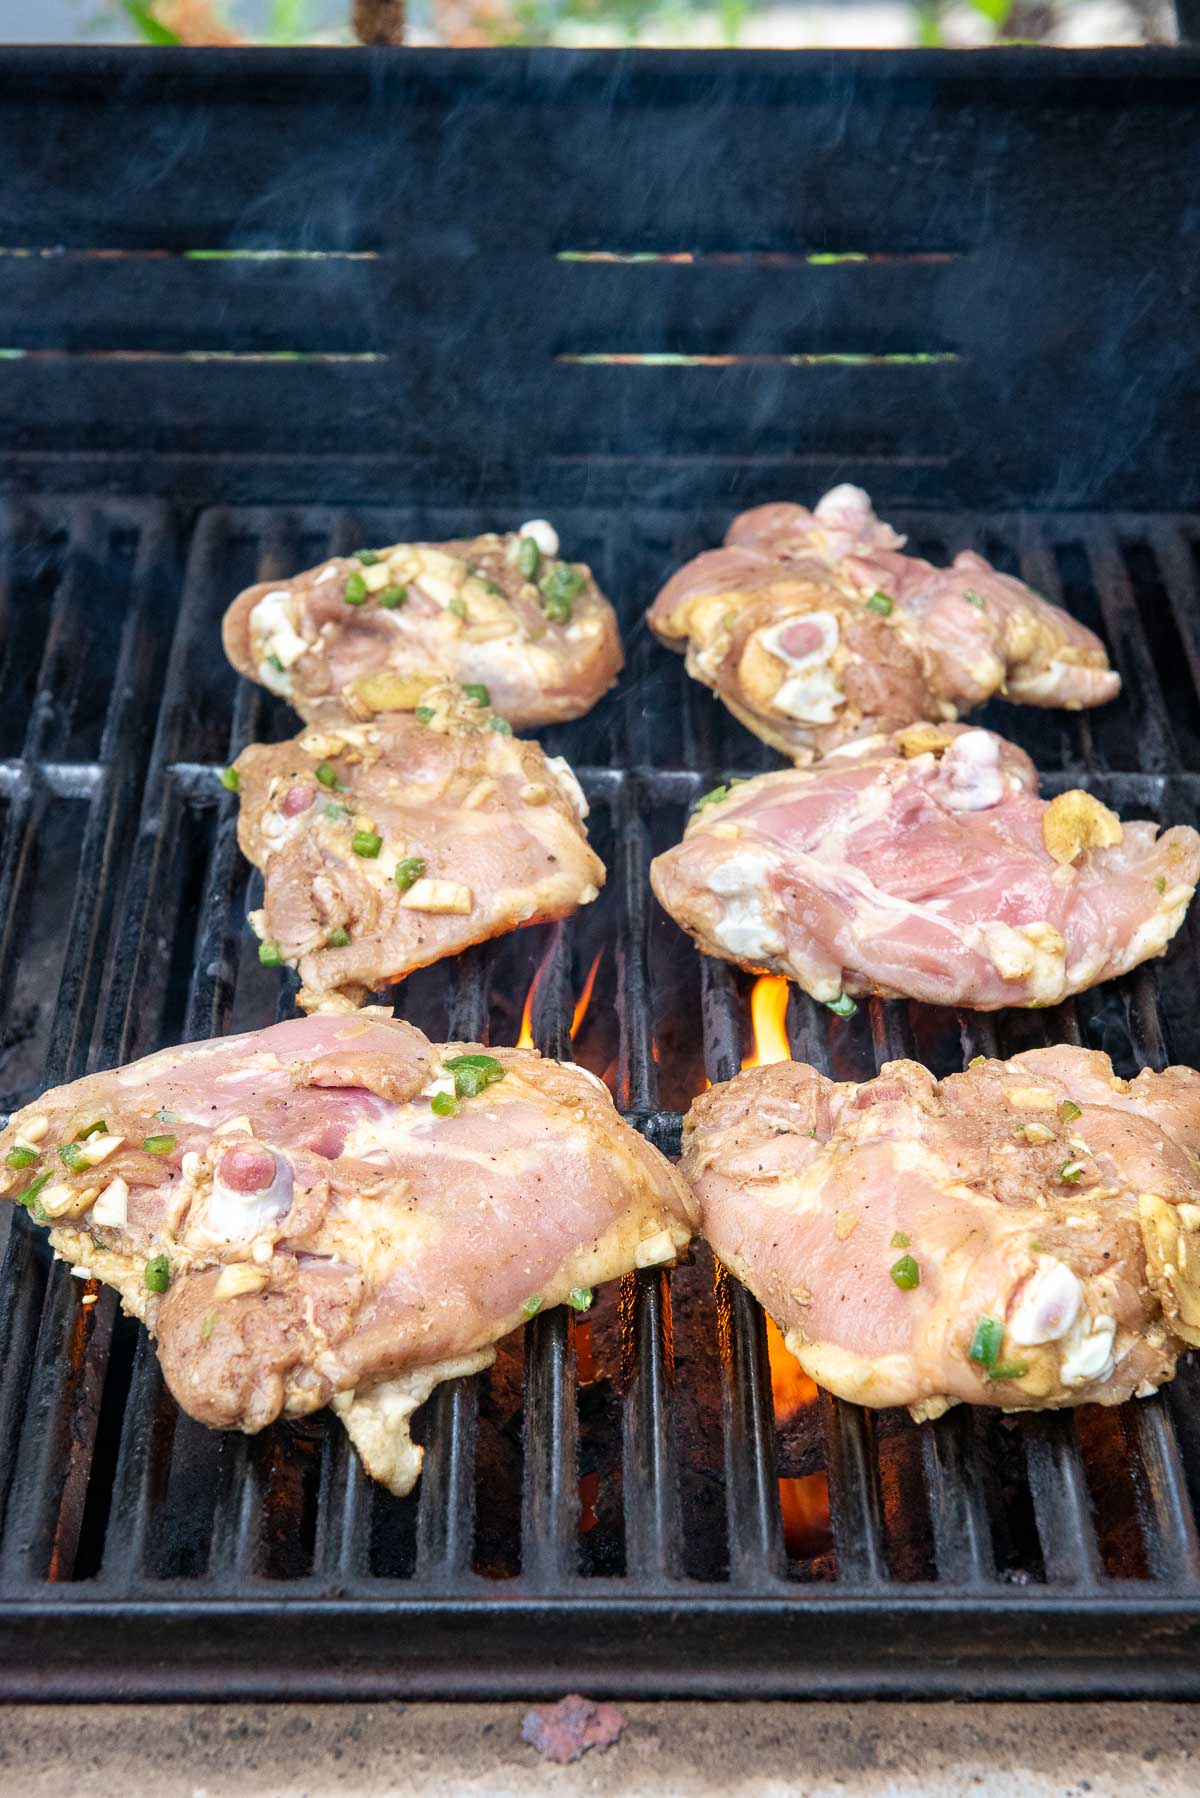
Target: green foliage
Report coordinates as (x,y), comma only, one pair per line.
(144,20)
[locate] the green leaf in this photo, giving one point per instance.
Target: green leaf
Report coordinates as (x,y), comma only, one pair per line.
(288,21)
(143,18)
(995,11)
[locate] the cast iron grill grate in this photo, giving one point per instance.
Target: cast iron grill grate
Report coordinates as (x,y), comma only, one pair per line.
(603,1509)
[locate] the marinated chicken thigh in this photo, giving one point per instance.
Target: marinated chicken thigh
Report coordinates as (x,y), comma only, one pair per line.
(924,866)
(814,630)
(503,612)
(1025,1234)
(338,1211)
(386,845)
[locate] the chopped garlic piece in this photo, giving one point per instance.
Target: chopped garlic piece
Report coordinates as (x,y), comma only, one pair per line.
(240,1124)
(543,534)
(655,1250)
(112,1207)
(376,578)
(438,896)
(33,1129)
(98,1149)
(240,1277)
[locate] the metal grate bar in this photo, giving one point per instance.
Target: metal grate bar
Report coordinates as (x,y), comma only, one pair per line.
(235,1543)
(1128,647)
(139,1482)
(1061,1501)
(855,1508)
(343,1513)
(955,1494)
(446,1501)
(653,1525)
(637,1084)
(550,1493)
(1168,1521)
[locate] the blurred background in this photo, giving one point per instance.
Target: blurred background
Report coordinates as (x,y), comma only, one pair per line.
(750,24)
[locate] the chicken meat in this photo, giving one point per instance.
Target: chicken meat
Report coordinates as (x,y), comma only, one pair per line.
(359,633)
(923,865)
(1025,1234)
(814,630)
(338,1211)
(387,845)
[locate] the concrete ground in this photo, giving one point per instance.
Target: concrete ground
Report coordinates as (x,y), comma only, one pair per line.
(666,1751)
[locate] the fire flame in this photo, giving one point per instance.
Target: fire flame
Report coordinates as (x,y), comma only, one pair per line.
(803,1503)
(790,1385)
(585,997)
(768,1017)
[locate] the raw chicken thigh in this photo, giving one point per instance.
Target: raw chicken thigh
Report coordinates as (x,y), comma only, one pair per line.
(1024,1234)
(337,1211)
(815,630)
(503,612)
(386,845)
(924,866)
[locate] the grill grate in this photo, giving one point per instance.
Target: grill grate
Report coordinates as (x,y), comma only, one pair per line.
(603,1509)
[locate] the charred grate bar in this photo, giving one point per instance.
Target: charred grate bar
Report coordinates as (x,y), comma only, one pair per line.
(625,1503)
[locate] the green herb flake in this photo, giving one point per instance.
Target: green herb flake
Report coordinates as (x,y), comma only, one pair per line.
(166,1117)
(424,714)
(1068,1111)
(841,1007)
(974,599)
(30,1195)
(208,1325)
(474,1073)
(408,872)
(532,1306)
(985,1343)
(230,779)
(478,692)
(977,1061)
(391,597)
(905,1273)
(713,798)
(158,1274)
(900,1241)
(529,557)
(501,726)
(22,1154)
(367,557)
(355,591)
(366,843)
(1008,1370)
(558,590)
(1071,1172)
(882,603)
(328,777)
(443,1105)
(458,607)
(268,954)
(71,1155)
(1160,885)
(580,1298)
(338,939)
(158,1145)
(274,662)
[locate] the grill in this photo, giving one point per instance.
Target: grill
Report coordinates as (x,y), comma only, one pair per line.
(622,1504)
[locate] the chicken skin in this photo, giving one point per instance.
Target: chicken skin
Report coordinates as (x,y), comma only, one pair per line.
(386,845)
(338,1211)
(814,630)
(503,612)
(1025,1234)
(924,866)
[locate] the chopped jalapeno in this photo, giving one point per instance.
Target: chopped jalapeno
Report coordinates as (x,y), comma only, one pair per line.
(30,1195)
(1070,1172)
(158,1145)
(355,590)
(71,1155)
(443,1105)
(337,939)
(268,954)
(337,812)
(1068,1111)
(580,1298)
(1008,1370)
(367,557)
(391,597)
(275,663)
(21,1155)
(458,607)
(424,714)
(500,725)
(974,599)
(230,779)
(906,1273)
(977,1061)
(366,843)
(167,1117)
(473,1073)
(713,798)
(158,1274)
(529,557)
(408,872)
(478,692)
(97,1127)
(882,603)
(900,1240)
(328,777)
(842,1007)
(1160,885)
(985,1343)
(532,1306)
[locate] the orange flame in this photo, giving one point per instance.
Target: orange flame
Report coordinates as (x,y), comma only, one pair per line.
(803,1503)
(525,1039)
(790,1385)
(585,997)
(768,1017)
